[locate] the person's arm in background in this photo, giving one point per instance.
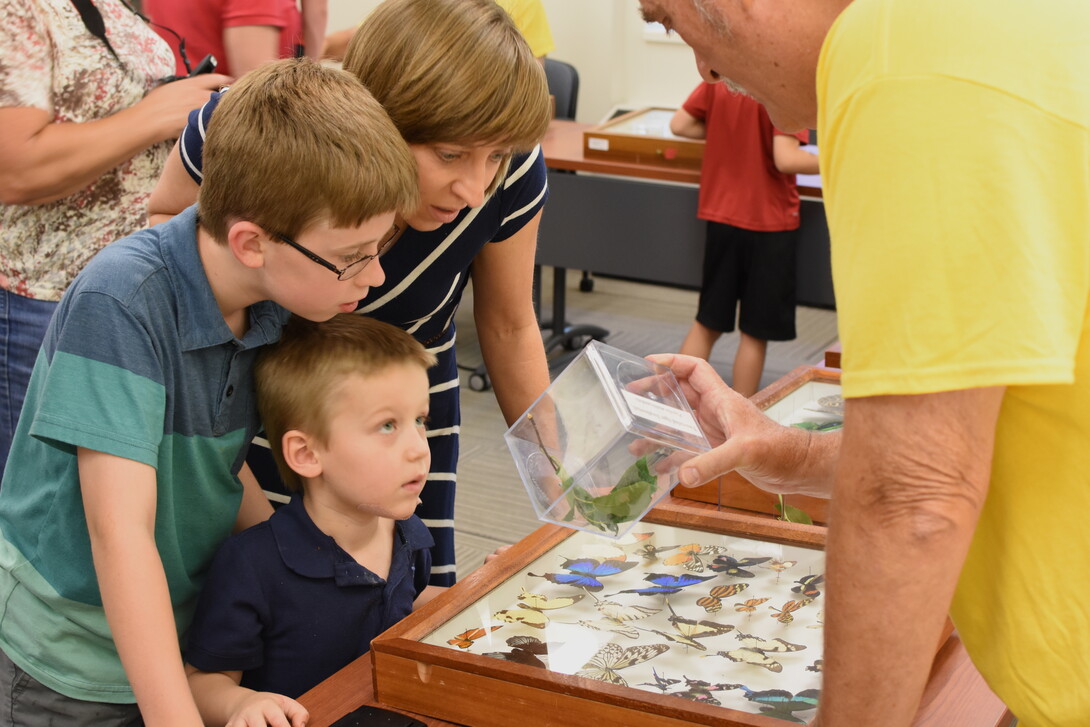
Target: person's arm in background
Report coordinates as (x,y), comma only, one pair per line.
(789,156)
(315,20)
(42,161)
(912,479)
(174,191)
(336,43)
(119,502)
(255,507)
(507,327)
(248,46)
(685,124)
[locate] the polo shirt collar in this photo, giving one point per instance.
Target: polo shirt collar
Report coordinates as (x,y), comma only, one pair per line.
(200,322)
(309,552)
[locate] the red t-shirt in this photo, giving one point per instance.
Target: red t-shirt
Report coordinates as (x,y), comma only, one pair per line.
(739,182)
(201,23)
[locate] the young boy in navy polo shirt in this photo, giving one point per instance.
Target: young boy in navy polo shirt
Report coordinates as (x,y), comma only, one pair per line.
(126,471)
(292,600)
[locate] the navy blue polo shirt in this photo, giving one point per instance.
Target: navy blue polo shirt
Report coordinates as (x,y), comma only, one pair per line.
(285,605)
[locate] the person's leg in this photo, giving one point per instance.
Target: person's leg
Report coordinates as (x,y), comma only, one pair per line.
(26,702)
(767,303)
(699,341)
(718,292)
(23,322)
(749,364)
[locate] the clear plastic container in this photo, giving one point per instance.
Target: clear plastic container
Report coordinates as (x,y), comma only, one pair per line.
(604,442)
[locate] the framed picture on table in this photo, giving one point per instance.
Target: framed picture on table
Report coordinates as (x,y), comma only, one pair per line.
(695,617)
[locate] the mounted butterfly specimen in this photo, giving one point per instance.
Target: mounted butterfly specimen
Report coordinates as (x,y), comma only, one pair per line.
(650,552)
(697,629)
(526,650)
(756,657)
(665,584)
(736,567)
(782,704)
(608,624)
(661,683)
(749,606)
(767,645)
(585,572)
(713,602)
(525,616)
(779,566)
(611,658)
(700,691)
(691,556)
(817,666)
(783,615)
(538,602)
(808,586)
(621,612)
(465,639)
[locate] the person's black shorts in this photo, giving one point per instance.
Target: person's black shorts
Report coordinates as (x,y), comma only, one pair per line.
(754,269)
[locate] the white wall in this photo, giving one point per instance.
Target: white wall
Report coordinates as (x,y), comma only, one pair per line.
(604,40)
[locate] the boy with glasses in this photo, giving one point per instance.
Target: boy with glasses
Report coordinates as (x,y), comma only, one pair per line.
(128,460)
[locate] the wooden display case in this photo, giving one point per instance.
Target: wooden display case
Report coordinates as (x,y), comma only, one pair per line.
(788,400)
(676,666)
(643,137)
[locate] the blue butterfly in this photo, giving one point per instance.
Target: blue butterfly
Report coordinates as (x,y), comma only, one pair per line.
(780,703)
(666,583)
(585,572)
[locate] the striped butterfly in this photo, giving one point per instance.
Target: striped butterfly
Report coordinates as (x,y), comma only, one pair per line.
(783,615)
(713,602)
(611,658)
(749,606)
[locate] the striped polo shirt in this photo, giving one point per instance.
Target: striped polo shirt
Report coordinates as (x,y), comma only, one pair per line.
(139,363)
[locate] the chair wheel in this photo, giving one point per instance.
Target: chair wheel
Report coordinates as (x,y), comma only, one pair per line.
(479,382)
(586,285)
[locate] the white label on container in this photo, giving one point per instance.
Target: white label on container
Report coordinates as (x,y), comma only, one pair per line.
(661,413)
(598,144)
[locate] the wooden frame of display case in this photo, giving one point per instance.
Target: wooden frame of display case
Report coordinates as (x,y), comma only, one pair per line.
(476,690)
(611,141)
(734,491)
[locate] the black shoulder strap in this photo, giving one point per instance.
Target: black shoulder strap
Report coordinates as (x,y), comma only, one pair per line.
(92,20)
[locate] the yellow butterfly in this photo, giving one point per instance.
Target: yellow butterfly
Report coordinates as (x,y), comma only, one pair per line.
(542,603)
(527,616)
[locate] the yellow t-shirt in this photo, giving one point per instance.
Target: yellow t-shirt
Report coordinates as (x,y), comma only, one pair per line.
(956,162)
(529,17)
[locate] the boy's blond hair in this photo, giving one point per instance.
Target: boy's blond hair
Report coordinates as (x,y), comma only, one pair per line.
(452,71)
(294,143)
(297,378)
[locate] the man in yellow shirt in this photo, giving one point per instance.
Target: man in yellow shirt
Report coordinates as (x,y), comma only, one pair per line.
(955,157)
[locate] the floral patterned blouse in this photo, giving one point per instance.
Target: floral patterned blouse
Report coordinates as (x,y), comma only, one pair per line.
(49,61)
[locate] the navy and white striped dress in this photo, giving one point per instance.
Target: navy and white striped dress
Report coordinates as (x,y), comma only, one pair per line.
(426,273)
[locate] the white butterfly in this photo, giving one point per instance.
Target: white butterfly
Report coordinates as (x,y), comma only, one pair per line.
(603,666)
(620,612)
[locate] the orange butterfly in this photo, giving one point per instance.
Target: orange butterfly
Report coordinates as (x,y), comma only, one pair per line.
(713,602)
(749,606)
(783,615)
(465,639)
(690,556)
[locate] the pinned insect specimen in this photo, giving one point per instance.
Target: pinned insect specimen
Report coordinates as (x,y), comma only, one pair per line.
(756,657)
(691,556)
(817,666)
(734,566)
(526,616)
(585,572)
(749,606)
(808,586)
(661,683)
(665,584)
(783,615)
(524,650)
(465,639)
(700,691)
(779,566)
(538,602)
(767,645)
(781,703)
(611,658)
(621,612)
(713,602)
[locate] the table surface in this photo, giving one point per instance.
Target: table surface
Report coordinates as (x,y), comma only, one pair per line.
(563,149)
(956,693)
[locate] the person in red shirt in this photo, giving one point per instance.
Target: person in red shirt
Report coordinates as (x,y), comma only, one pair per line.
(241,34)
(749,199)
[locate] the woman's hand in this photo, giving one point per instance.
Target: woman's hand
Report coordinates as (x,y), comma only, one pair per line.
(167,107)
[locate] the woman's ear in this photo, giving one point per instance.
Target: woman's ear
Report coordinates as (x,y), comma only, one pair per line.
(300,454)
(247,242)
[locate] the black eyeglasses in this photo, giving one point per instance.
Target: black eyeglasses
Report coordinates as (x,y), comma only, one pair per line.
(352,269)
